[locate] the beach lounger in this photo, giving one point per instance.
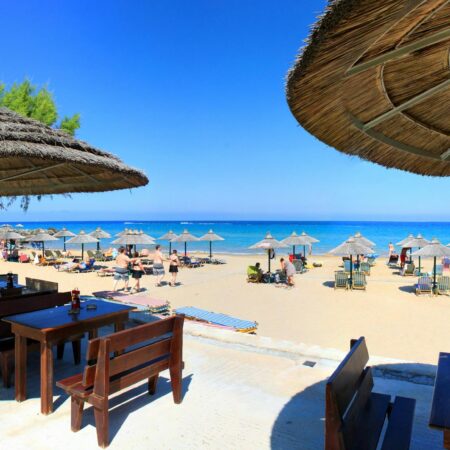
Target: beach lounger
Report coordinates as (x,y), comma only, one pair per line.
(371,260)
(424,285)
(409,270)
(443,285)
(253,275)
(90,253)
(365,268)
(221,320)
(439,269)
(340,280)
(143,301)
(298,264)
(393,261)
(347,265)
(359,281)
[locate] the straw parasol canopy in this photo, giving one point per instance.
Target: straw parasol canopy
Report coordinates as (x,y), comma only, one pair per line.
(64,233)
(435,250)
(98,233)
(408,238)
(417,242)
(39,160)
(374,82)
(350,248)
(211,237)
(362,240)
(10,235)
(168,237)
(82,238)
(123,232)
(134,237)
(294,239)
(268,243)
(41,236)
(185,237)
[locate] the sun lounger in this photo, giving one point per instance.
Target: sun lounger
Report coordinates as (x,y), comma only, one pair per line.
(221,320)
(340,280)
(365,268)
(424,285)
(346,265)
(144,301)
(359,281)
(409,270)
(371,260)
(253,275)
(443,285)
(298,264)
(393,261)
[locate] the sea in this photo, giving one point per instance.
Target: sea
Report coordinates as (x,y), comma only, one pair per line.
(240,235)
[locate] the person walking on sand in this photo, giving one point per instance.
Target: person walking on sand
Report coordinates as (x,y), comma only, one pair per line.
(158,267)
(121,269)
(289,268)
(173,267)
(391,249)
(137,270)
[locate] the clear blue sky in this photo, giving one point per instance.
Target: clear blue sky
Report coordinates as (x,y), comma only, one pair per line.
(192,92)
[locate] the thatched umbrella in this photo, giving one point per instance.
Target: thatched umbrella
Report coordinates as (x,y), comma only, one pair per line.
(121,233)
(211,237)
(10,235)
(134,237)
(268,243)
(349,248)
(168,237)
(185,237)
(42,237)
(417,242)
(39,160)
(64,233)
(294,239)
(82,238)
(98,233)
(436,250)
(408,238)
(310,239)
(363,240)
(373,81)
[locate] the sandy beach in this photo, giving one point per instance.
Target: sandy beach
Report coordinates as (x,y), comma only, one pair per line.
(395,321)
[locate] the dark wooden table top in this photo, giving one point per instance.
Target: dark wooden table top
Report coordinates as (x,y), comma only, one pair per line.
(440,407)
(59,317)
(4,285)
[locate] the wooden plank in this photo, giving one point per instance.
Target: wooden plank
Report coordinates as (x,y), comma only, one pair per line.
(360,399)
(399,430)
(440,407)
(345,379)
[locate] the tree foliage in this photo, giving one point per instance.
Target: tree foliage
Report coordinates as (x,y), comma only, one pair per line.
(29,101)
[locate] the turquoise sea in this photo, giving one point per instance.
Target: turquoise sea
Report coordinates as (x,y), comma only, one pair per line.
(239,235)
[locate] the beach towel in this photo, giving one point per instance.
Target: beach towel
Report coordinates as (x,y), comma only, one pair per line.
(221,320)
(151,304)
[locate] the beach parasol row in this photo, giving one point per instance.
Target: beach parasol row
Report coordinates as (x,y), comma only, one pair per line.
(373,81)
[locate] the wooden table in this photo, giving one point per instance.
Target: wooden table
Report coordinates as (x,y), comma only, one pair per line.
(49,326)
(440,407)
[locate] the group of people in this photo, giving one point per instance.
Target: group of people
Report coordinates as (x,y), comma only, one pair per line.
(286,267)
(133,264)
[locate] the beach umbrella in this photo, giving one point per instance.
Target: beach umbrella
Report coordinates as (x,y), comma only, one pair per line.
(294,239)
(168,237)
(349,248)
(82,238)
(10,235)
(42,237)
(126,231)
(408,238)
(39,160)
(268,244)
(310,239)
(185,237)
(64,233)
(134,237)
(417,242)
(211,237)
(435,250)
(371,82)
(98,233)
(363,240)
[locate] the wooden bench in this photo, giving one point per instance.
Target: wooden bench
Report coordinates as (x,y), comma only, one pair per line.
(159,348)
(21,305)
(355,416)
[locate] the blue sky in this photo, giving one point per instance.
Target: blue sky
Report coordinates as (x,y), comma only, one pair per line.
(192,92)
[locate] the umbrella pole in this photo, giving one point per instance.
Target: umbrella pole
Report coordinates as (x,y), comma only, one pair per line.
(170,248)
(43,248)
(304,251)
(210,249)
(293,252)
(185,249)
(420,269)
(268,260)
(351,270)
(82,251)
(64,243)
(98,246)
(434,276)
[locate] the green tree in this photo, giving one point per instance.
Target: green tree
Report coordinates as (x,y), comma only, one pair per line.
(27,100)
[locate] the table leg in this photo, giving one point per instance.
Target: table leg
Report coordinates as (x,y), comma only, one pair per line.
(20,377)
(46,378)
(447,439)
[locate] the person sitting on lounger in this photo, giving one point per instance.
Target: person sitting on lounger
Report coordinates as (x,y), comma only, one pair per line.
(73,265)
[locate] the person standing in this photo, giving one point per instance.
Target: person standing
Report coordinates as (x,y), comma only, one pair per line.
(121,269)
(137,270)
(289,268)
(158,267)
(173,267)
(391,249)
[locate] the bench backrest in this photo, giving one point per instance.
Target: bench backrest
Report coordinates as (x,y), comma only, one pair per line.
(162,348)
(41,285)
(21,305)
(347,391)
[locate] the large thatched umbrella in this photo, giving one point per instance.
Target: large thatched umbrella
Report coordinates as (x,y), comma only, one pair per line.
(373,81)
(436,250)
(42,237)
(169,236)
(269,243)
(39,160)
(349,248)
(310,239)
(64,233)
(185,237)
(134,237)
(82,238)
(363,240)
(294,239)
(98,233)
(417,242)
(10,235)
(211,237)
